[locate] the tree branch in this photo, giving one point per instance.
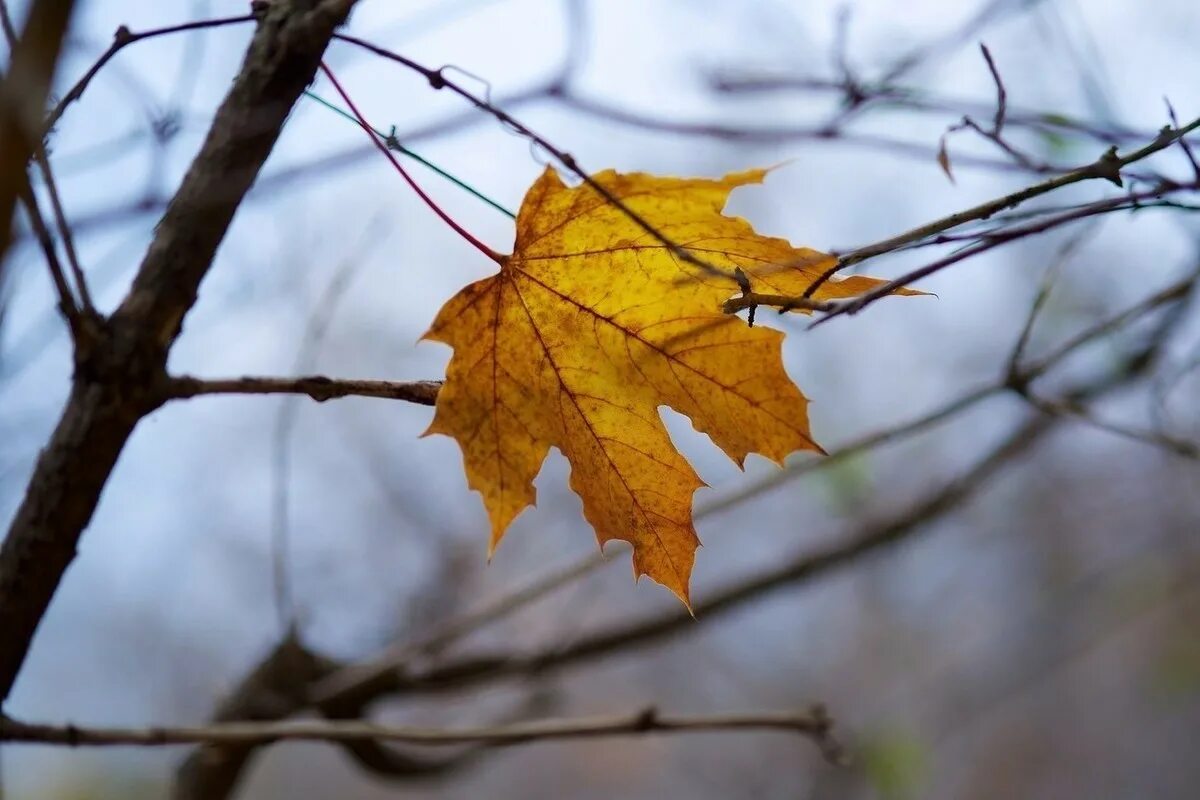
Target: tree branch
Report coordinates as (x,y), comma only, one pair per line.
(1108,167)
(317,387)
(23,95)
(119,375)
(981,243)
(122,38)
(814,724)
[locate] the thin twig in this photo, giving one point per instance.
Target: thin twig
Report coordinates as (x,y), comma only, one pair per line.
(285,421)
(119,378)
(64,230)
(1065,408)
(984,242)
(122,39)
(762,134)
(317,387)
(1001,94)
(814,724)
(60,217)
(1183,143)
(66,300)
(1108,166)
(1175,292)
(1039,300)
(438,80)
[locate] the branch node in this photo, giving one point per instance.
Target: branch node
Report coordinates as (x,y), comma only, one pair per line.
(1017,381)
(1109,167)
(647,719)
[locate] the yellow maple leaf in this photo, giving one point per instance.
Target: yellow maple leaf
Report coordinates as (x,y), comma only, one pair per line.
(592,324)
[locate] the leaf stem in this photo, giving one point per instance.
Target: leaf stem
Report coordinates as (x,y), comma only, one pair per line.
(362,122)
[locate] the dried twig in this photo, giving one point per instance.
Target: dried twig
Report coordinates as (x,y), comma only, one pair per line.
(438,80)
(1108,166)
(66,299)
(317,387)
(814,724)
(23,93)
(122,38)
(119,375)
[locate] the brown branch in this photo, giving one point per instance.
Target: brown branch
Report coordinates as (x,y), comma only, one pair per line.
(66,299)
(64,230)
(122,38)
(1183,143)
(317,387)
(119,375)
(814,724)
(45,240)
(23,95)
(277,683)
(1108,167)
(438,80)
(1001,93)
(984,241)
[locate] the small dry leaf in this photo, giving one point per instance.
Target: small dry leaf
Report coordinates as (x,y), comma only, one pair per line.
(943,159)
(591,325)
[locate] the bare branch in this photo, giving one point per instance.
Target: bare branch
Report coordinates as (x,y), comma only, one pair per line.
(122,38)
(317,387)
(1001,93)
(983,242)
(64,230)
(23,95)
(438,80)
(66,299)
(119,375)
(814,724)
(1108,167)
(37,222)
